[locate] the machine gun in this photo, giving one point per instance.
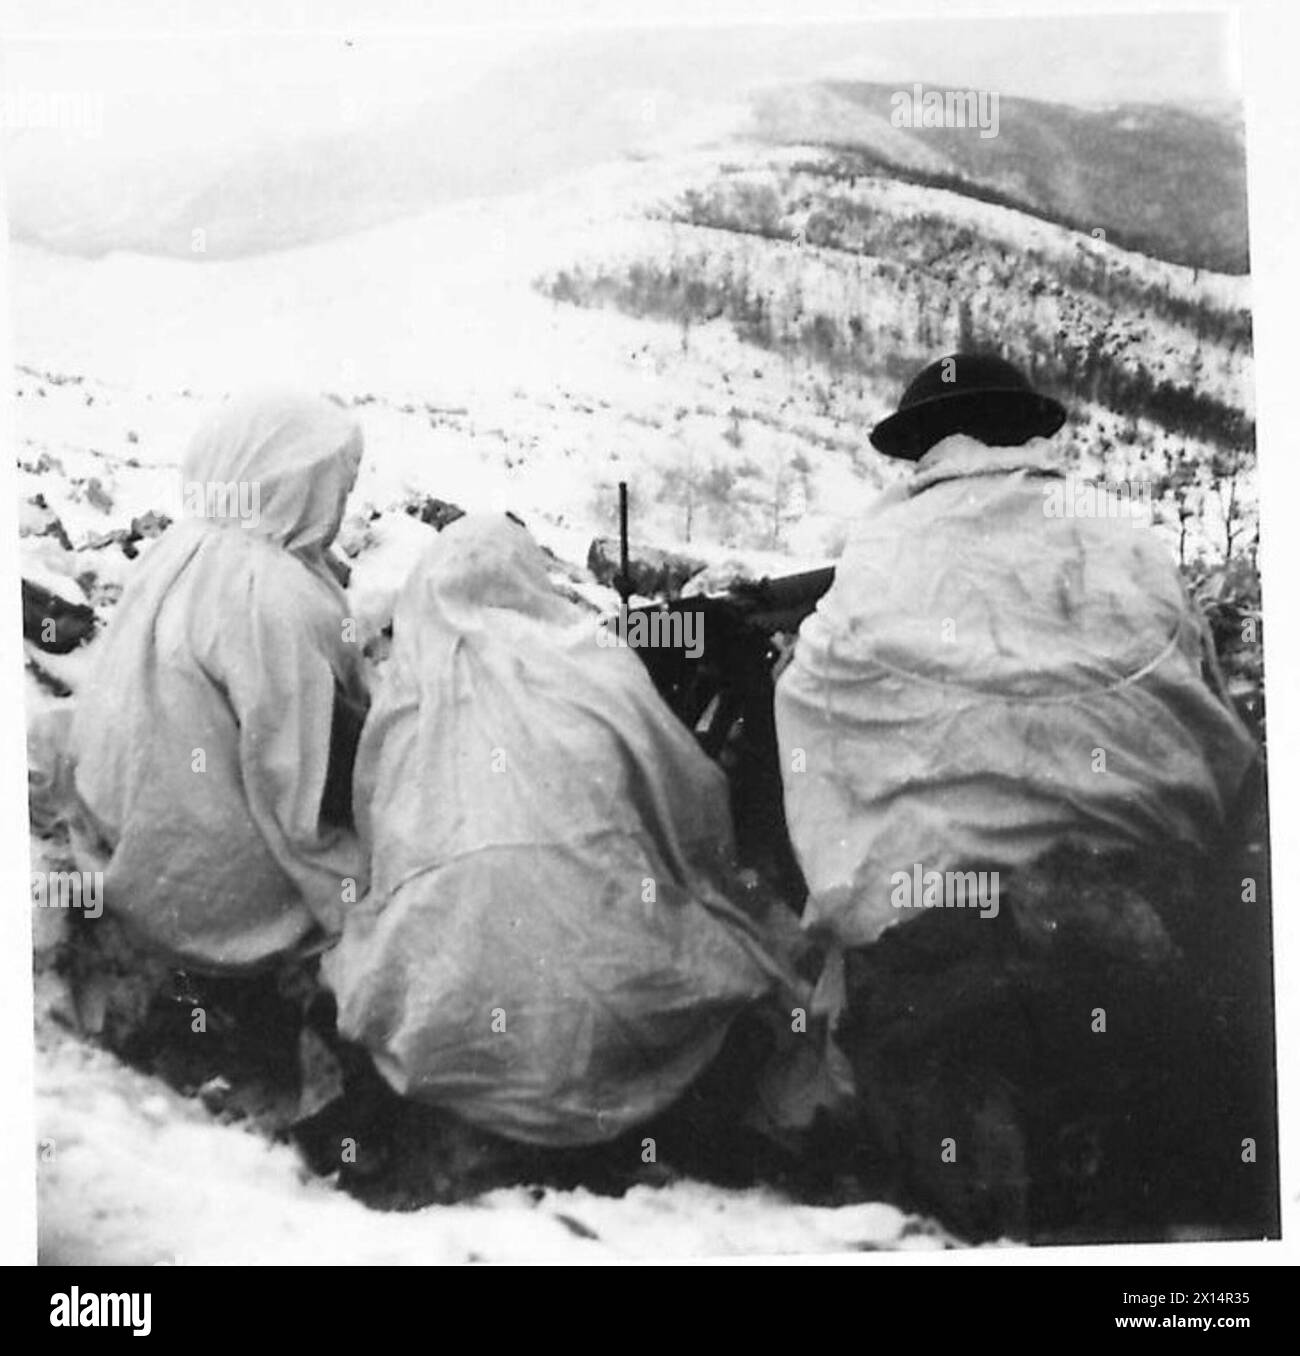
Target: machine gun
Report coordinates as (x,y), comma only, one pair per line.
(745,632)
(723,693)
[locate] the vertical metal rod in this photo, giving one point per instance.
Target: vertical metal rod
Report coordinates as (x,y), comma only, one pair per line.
(624,582)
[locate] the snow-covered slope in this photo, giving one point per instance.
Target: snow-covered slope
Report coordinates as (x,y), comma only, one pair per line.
(471,385)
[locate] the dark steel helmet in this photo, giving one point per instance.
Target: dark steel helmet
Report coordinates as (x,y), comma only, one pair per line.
(972,393)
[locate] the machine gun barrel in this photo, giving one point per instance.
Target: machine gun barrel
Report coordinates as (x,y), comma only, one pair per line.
(781,604)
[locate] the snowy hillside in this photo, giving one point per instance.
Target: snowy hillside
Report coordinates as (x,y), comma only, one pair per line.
(1137,171)
(857,281)
(371,138)
(482,391)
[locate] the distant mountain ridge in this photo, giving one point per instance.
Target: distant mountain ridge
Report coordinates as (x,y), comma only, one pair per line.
(1165,180)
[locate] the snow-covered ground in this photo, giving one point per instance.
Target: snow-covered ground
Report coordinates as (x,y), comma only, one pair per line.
(120,1152)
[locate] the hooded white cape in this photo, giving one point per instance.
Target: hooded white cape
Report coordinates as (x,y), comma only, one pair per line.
(201,746)
(546,950)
